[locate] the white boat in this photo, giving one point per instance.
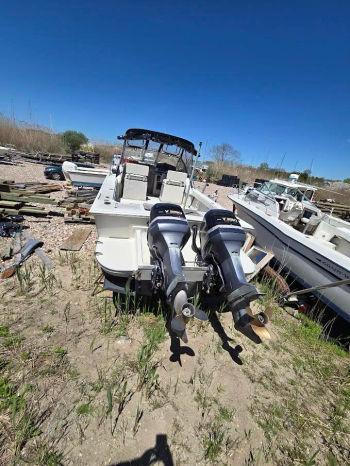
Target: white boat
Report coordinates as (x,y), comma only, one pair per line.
(149,218)
(311,246)
(84,176)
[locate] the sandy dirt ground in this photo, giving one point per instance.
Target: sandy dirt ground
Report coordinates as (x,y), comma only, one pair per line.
(83,384)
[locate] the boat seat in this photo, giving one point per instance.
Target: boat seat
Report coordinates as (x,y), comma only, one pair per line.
(173,187)
(135,181)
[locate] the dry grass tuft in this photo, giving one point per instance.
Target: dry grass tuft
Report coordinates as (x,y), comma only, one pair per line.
(30,137)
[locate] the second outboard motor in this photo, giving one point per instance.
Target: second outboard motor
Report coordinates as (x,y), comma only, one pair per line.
(221,241)
(168,232)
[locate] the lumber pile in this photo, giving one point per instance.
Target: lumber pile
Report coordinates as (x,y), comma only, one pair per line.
(77,204)
(78,214)
(7,159)
(83,156)
(341,210)
(75,197)
(18,198)
(11,156)
(28,188)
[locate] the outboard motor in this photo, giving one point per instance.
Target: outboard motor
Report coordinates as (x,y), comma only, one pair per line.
(221,241)
(168,232)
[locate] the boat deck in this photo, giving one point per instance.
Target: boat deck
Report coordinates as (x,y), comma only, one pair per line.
(105,204)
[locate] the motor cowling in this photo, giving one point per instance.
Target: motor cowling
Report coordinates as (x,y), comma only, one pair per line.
(168,232)
(222,238)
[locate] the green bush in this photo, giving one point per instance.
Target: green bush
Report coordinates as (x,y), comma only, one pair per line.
(74,139)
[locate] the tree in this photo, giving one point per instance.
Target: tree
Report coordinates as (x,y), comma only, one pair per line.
(74,139)
(225,153)
(347,180)
(264,166)
(304,176)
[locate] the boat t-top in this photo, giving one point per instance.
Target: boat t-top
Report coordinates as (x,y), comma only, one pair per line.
(159,237)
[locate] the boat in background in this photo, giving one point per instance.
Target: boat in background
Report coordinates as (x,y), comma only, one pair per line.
(311,246)
(84,176)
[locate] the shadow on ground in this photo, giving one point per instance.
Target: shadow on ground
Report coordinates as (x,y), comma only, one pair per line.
(159,453)
(178,350)
(218,328)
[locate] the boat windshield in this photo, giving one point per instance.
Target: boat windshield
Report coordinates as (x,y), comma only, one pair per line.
(272,188)
(276,189)
(152,153)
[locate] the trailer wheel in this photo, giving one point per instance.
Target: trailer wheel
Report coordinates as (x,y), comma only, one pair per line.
(280,283)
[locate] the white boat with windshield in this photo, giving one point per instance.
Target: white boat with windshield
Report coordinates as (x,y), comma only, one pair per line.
(312,246)
(159,237)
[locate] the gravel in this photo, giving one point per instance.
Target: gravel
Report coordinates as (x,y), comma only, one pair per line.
(54,232)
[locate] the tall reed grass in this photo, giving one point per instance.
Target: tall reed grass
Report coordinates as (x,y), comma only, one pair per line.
(30,137)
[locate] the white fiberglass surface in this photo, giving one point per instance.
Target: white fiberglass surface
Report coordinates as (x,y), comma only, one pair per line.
(310,241)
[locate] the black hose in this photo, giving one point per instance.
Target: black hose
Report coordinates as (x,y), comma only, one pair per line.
(195,248)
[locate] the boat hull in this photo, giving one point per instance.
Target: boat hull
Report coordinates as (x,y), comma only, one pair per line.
(87,180)
(85,177)
(309,266)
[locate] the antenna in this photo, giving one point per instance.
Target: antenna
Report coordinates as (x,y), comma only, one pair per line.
(282,160)
(206,150)
(30,113)
(12,110)
(311,164)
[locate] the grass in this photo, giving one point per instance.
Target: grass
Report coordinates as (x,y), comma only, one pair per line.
(213,441)
(146,365)
(25,278)
(226,414)
(60,352)
(10,340)
(30,137)
(107,316)
(49,457)
(48,329)
(24,419)
(84,409)
(300,387)
(308,416)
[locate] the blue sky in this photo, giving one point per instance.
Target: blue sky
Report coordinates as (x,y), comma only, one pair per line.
(269,77)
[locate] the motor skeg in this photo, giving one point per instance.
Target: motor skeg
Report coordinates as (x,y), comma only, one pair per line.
(168,232)
(222,238)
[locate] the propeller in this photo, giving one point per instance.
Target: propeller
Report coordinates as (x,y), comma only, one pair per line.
(179,321)
(178,324)
(255,323)
(258,323)
(200,315)
(261,332)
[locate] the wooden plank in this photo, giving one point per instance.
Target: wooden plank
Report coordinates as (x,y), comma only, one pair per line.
(332,204)
(9,211)
(76,239)
(4,187)
(77,219)
(248,242)
(34,211)
(334,207)
(11,204)
(5,181)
